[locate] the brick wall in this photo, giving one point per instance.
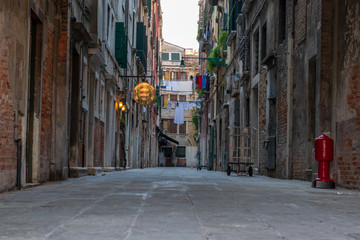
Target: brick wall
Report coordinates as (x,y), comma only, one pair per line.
(7,144)
(300,21)
(348,137)
(262,123)
(46,106)
(326,66)
(281,98)
(98,143)
(82,137)
(282,114)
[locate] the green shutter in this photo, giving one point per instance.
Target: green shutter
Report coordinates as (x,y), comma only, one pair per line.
(141,43)
(224,23)
(149,7)
(121,44)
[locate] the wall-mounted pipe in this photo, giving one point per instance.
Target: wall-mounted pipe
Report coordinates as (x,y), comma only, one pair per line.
(18,165)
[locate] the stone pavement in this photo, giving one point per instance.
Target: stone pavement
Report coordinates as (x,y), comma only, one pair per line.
(179,203)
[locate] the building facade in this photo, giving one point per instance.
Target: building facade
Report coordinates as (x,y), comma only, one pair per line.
(65,67)
(289,77)
(178,99)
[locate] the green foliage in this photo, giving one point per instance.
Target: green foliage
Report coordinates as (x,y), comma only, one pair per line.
(194,117)
(196,136)
(216,52)
(157,101)
(181,155)
(200,92)
(222,38)
(122,121)
(199,35)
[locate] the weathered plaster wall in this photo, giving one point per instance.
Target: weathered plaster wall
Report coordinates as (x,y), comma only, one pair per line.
(348,95)
(306,49)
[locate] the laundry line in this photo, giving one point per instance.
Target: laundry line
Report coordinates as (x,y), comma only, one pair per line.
(180,108)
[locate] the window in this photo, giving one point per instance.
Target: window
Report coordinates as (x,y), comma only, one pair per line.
(175,56)
(164,100)
(173,98)
(173,126)
(263,41)
(97,95)
(167,76)
(165,56)
(102,99)
(108,22)
(165,125)
(282,20)
(183,76)
(256,51)
(167,152)
(181,152)
(182,128)
(182,98)
(85,89)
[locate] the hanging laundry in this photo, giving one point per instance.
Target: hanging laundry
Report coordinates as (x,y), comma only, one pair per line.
(175,86)
(200,82)
(168,107)
(168,85)
(208,81)
(179,114)
(186,105)
(204,81)
(192,105)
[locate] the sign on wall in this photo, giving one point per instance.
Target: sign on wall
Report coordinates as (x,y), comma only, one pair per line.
(144,93)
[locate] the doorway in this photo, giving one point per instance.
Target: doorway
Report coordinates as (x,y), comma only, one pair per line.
(34,94)
(311,112)
(271,114)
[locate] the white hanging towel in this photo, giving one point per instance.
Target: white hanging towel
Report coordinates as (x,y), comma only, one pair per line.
(179,114)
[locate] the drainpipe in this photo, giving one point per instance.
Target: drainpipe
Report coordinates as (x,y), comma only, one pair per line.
(18,165)
(289,97)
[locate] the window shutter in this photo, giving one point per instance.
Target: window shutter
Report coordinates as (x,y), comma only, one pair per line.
(141,43)
(182,128)
(173,127)
(121,44)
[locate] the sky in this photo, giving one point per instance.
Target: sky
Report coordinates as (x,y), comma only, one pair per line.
(180,22)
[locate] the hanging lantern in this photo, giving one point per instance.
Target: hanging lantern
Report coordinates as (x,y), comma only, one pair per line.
(123,109)
(144,93)
(121,105)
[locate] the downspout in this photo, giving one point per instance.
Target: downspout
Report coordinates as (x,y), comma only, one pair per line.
(289,97)
(334,82)
(18,166)
(126,145)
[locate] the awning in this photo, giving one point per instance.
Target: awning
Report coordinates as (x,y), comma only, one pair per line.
(168,138)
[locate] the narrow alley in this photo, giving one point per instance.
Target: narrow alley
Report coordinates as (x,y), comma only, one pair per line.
(179,203)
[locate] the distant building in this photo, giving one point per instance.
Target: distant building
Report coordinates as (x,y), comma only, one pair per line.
(177,88)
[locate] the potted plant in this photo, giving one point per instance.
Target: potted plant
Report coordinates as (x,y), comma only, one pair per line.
(213,2)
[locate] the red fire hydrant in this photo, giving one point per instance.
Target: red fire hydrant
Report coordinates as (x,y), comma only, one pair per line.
(324,152)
